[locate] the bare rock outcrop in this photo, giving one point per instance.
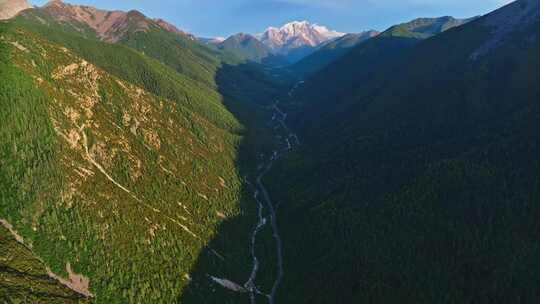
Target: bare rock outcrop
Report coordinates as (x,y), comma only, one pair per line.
(10,8)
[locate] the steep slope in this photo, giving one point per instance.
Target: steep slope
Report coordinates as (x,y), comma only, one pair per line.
(10,8)
(213,70)
(24,278)
(330,52)
(422,186)
(357,67)
(173,29)
(156,38)
(110,26)
(296,39)
(423,28)
(119,165)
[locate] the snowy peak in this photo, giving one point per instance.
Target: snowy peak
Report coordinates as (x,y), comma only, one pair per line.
(297,28)
(296,34)
(325,32)
(10,8)
(211,41)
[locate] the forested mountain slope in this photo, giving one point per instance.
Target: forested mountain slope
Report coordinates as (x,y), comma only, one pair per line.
(155,38)
(422,185)
(245,47)
(357,66)
(24,278)
(330,52)
(121,166)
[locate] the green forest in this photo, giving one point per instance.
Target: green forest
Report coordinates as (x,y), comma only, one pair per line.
(142,164)
(108,153)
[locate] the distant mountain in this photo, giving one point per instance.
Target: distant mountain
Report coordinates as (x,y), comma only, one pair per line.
(10,8)
(173,29)
(246,47)
(330,52)
(296,39)
(276,46)
(423,28)
(156,38)
(110,26)
(211,41)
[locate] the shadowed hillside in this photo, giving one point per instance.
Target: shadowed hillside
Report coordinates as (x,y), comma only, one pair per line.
(421,184)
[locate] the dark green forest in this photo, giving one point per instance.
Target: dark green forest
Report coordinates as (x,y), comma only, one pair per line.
(131,169)
(420,186)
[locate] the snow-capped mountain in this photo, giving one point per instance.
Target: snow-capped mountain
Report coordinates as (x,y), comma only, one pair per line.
(296,34)
(211,41)
(10,8)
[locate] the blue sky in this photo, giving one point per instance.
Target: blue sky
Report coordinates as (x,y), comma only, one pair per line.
(209,18)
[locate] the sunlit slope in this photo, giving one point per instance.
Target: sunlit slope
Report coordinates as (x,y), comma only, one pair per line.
(215,70)
(24,278)
(115,164)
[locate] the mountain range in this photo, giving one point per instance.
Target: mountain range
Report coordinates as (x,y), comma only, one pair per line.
(141,164)
(296,39)
(110,26)
(287,44)
(296,34)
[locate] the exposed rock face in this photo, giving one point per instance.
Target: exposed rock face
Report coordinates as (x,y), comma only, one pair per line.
(171,28)
(10,8)
(110,26)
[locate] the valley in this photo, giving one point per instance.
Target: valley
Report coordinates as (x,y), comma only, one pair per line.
(286,143)
(280,117)
(140,163)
